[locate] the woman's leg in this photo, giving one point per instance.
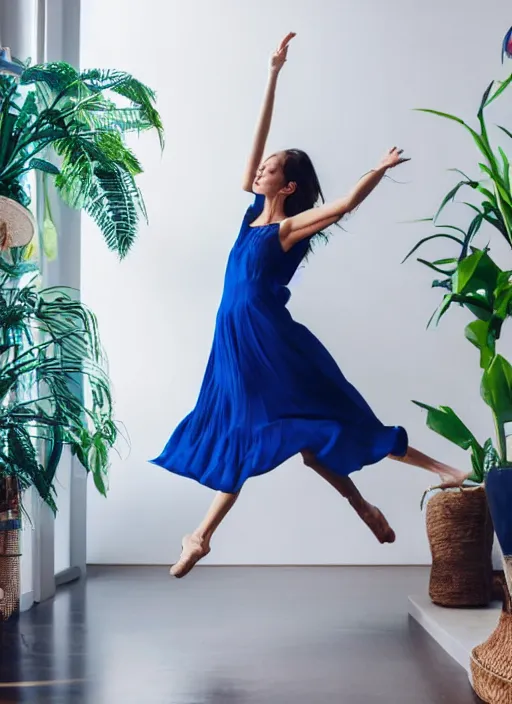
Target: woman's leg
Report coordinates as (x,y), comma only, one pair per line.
(371,515)
(449,476)
(197,545)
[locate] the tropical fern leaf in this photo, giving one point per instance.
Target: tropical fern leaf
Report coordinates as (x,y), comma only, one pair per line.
(58,76)
(114,205)
(125,85)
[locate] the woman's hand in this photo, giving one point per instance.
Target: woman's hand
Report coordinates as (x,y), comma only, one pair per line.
(391,159)
(278,58)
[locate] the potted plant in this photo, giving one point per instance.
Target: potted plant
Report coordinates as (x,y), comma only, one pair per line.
(54,386)
(69,126)
(472,279)
(54,390)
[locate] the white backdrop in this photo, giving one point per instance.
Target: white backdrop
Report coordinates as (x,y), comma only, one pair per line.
(354,73)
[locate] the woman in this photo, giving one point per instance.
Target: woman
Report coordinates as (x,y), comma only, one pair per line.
(271,390)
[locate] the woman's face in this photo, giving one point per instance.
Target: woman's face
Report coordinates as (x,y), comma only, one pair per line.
(269,179)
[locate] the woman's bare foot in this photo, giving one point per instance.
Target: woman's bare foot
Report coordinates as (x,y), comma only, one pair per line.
(193,550)
(451,477)
(377,523)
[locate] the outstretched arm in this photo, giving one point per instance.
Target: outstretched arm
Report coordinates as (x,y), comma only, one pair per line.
(308,223)
(277,62)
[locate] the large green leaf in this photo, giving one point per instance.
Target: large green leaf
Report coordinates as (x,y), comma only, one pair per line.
(496,391)
(481,144)
(497,387)
(129,87)
(476,274)
(444,421)
(114,204)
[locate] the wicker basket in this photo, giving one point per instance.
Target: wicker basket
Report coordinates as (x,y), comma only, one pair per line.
(491,662)
(9,547)
(461,536)
(9,573)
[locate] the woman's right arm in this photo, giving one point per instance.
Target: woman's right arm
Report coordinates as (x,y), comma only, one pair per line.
(277,62)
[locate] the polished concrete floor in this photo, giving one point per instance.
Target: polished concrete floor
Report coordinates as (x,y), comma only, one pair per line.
(230,636)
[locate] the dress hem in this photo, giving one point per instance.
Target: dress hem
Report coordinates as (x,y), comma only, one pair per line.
(336,451)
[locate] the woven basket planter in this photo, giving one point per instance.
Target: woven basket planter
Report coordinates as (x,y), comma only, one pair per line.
(461,535)
(9,574)
(491,662)
(9,548)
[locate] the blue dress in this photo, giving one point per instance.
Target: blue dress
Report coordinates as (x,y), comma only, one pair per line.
(271,389)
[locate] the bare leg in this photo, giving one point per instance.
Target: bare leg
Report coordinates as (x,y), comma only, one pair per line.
(197,545)
(371,515)
(449,476)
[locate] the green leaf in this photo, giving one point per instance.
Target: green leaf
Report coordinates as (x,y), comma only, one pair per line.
(56,75)
(491,457)
(443,262)
(496,391)
(433,266)
(484,101)
(28,113)
(446,303)
(450,196)
(481,144)
(98,460)
(446,115)
(479,333)
(507,132)
(43,165)
(504,85)
(497,387)
(477,463)
(140,95)
(503,296)
(114,149)
(506,168)
(428,239)
(476,274)
(495,177)
(444,421)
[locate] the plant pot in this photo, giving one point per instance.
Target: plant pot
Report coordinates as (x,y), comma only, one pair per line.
(461,535)
(491,662)
(498,485)
(10,526)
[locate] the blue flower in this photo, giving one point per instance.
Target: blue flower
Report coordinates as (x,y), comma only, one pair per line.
(507,45)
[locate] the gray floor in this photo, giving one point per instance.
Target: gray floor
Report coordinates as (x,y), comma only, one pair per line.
(231,635)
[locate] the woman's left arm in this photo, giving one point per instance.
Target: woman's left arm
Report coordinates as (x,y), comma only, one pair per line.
(310,222)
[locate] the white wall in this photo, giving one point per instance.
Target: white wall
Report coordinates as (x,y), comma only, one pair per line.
(354,73)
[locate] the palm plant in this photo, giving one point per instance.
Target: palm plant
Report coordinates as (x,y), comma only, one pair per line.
(68,124)
(54,385)
(471,278)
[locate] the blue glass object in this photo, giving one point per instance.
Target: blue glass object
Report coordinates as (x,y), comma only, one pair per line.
(7,65)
